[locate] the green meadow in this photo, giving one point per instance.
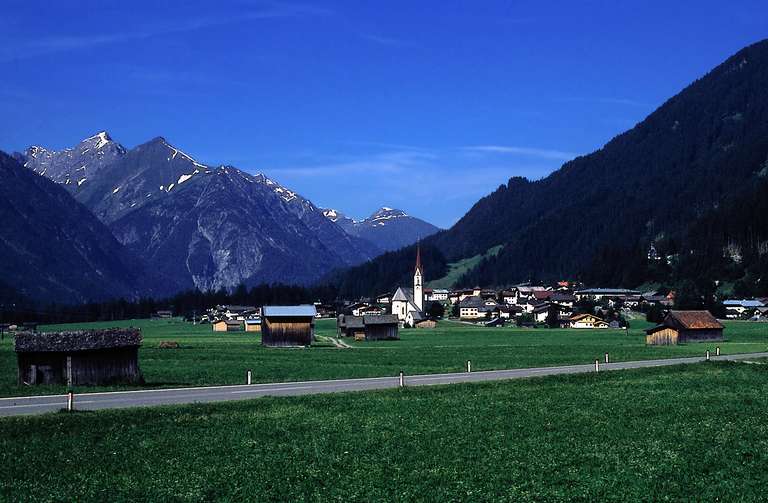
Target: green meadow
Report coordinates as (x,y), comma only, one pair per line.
(684,433)
(208,358)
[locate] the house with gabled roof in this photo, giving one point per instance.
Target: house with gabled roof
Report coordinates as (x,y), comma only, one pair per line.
(685,326)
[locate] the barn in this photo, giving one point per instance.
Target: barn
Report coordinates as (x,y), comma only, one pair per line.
(381,327)
(283,326)
(84,357)
(227,326)
(253,325)
(351,326)
(685,326)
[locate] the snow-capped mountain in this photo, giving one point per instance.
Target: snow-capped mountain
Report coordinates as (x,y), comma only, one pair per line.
(73,167)
(387,228)
(214,227)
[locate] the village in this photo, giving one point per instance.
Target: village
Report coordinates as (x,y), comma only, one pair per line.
(565,305)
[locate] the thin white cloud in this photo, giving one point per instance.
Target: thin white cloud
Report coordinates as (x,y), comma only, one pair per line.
(525,151)
(383,40)
(42,46)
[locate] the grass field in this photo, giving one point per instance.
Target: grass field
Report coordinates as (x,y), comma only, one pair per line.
(692,433)
(206,358)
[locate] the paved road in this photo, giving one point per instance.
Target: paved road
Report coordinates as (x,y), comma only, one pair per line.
(144,398)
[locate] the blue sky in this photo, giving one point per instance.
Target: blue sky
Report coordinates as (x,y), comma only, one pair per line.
(422,105)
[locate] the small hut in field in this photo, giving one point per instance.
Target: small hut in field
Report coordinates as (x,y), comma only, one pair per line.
(227,326)
(83,357)
(685,326)
(283,326)
(352,326)
(253,325)
(381,327)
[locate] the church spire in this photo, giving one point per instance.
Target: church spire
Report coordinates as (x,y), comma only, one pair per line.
(418,257)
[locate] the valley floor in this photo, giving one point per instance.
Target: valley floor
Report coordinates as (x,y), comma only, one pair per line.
(207,358)
(694,432)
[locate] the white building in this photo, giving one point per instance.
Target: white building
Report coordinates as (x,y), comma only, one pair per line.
(408,301)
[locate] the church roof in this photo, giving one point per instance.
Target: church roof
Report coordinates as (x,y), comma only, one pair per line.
(403,294)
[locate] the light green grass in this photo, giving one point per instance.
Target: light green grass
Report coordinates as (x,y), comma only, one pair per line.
(208,358)
(688,433)
(457,269)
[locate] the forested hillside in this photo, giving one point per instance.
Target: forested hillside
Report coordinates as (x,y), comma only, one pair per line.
(681,180)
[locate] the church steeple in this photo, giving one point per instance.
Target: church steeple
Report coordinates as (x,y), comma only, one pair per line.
(418,281)
(418,258)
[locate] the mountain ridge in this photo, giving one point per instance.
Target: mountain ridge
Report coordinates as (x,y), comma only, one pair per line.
(595,218)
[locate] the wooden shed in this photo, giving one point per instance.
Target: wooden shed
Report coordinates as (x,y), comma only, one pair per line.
(381,327)
(685,326)
(253,325)
(227,326)
(84,357)
(353,326)
(283,326)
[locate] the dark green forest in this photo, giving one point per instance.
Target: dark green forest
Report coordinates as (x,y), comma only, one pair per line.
(690,179)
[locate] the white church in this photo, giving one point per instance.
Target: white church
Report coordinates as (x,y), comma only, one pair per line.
(408,303)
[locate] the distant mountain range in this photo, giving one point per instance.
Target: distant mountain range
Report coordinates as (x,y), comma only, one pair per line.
(387,228)
(192,224)
(691,179)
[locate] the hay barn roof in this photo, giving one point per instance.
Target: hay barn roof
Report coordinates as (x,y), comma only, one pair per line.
(353,322)
(692,320)
(307,310)
(79,340)
(382,319)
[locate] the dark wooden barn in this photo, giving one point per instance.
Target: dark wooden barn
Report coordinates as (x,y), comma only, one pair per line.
(381,327)
(685,326)
(283,326)
(85,357)
(351,326)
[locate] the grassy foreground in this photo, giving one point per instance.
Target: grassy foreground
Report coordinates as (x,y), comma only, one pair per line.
(208,358)
(694,433)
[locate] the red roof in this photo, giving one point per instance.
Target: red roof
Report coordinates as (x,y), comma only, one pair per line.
(692,320)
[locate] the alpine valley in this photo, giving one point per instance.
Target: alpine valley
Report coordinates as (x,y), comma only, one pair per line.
(154,210)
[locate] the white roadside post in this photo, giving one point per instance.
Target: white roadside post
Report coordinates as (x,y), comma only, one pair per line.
(606,357)
(248,377)
(469,365)
(402,379)
(717,351)
(707,355)
(70,401)
(597,365)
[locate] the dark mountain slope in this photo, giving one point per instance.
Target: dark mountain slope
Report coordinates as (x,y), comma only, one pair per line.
(596,217)
(649,184)
(53,248)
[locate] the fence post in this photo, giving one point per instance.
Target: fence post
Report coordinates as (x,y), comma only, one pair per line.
(69,372)
(707,355)
(70,401)
(469,365)
(606,357)
(402,379)
(248,376)
(717,351)
(597,365)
